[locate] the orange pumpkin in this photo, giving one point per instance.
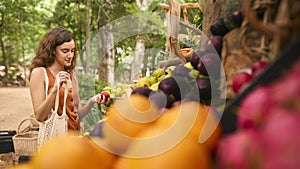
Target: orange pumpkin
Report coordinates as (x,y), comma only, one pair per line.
(193,120)
(186,154)
(21,166)
(126,118)
(74,152)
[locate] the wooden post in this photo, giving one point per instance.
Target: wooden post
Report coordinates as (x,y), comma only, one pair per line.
(173,20)
(186,20)
(173,26)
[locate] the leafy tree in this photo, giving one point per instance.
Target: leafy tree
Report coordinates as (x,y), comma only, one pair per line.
(20,28)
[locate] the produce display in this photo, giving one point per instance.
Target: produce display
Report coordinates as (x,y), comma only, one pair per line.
(266,137)
(181,82)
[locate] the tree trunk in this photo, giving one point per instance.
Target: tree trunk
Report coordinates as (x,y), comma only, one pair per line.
(87,36)
(23,53)
(106,56)
(110,58)
(137,59)
(173,27)
(5,61)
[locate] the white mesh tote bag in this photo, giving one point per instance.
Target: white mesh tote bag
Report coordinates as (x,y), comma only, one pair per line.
(54,125)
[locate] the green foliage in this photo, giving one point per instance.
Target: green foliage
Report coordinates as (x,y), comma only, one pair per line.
(70,14)
(198,18)
(86,84)
(20,31)
(20,20)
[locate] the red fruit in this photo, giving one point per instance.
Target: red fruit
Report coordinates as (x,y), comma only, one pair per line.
(254,108)
(281,140)
(240,80)
(257,67)
(240,150)
(104,97)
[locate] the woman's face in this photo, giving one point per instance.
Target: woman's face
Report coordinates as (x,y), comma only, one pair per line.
(65,53)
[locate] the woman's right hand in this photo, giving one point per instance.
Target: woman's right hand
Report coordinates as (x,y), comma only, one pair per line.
(61,77)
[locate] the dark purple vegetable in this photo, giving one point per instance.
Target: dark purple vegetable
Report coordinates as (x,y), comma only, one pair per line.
(237,17)
(195,59)
(181,70)
(204,88)
(145,91)
(217,42)
(161,100)
(174,86)
(210,65)
(169,86)
(210,48)
(219,27)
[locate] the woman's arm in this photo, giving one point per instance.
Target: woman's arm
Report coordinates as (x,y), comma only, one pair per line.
(83,109)
(41,105)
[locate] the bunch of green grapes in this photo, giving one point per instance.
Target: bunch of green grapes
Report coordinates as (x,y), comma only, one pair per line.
(119,90)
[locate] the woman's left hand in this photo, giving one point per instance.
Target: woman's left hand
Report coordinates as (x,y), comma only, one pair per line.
(102,98)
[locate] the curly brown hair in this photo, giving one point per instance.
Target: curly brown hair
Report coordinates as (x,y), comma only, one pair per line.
(45,53)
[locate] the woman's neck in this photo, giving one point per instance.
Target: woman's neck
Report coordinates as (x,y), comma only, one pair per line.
(55,68)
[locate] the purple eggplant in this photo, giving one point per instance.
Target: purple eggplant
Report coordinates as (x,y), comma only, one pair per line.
(219,27)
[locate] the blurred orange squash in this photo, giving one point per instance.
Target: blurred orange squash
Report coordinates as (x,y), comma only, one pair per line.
(71,152)
(187,154)
(194,119)
(126,118)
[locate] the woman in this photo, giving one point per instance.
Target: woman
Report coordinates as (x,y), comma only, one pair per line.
(57,53)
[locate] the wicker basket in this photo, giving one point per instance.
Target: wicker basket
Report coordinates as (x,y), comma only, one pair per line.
(25,141)
(278,23)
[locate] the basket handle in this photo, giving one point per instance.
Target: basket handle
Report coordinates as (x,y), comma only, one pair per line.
(32,119)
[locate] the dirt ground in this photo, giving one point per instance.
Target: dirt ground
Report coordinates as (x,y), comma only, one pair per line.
(15,106)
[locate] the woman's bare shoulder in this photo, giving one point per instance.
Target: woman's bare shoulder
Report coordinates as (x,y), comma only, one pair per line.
(37,72)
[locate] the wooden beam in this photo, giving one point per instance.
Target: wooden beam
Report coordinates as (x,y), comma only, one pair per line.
(185,5)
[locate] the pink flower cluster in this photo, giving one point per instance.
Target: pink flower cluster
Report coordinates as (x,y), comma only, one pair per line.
(268,128)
